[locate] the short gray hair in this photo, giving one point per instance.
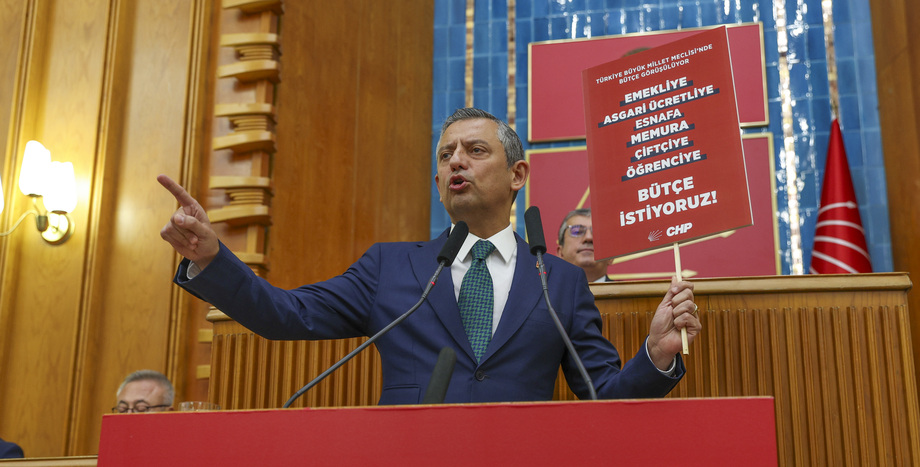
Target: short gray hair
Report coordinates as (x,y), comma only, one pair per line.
(514,150)
(571,214)
(151,375)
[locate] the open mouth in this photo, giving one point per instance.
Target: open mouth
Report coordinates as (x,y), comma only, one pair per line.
(457,182)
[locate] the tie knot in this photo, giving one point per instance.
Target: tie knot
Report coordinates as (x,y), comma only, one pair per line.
(482,248)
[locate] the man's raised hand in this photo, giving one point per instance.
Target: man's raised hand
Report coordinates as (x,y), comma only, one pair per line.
(189,230)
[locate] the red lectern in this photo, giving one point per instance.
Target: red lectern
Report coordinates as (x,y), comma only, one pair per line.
(718,431)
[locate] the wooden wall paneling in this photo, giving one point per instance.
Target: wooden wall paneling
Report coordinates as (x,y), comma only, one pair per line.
(254,67)
(354,119)
(13,34)
(414,52)
(91,376)
(271,371)
(287,370)
(314,359)
(843,360)
(12,22)
(243,359)
(393,102)
(783,386)
(875,384)
(908,367)
(316,176)
(376,77)
(746,334)
(102,84)
(897,63)
(275,370)
(815,390)
(187,355)
(244,236)
(827,398)
(861,392)
(892,360)
(148,127)
(262,393)
(254,390)
(243,144)
(818,341)
(41,289)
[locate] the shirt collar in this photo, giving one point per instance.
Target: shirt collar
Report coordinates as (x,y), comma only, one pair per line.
(504,242)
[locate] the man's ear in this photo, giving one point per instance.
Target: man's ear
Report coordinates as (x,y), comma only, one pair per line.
(438,186)
(520,170)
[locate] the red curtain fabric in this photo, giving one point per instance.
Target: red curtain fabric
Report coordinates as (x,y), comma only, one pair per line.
(840,241)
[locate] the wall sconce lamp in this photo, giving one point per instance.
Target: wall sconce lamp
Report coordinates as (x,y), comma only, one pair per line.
(52,183)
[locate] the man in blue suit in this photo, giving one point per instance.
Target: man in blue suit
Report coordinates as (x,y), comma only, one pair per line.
(480,169)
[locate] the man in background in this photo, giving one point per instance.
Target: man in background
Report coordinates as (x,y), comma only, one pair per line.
(144,391)
(575,244)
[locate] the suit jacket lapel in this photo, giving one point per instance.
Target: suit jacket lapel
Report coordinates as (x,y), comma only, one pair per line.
(441,298)
(526,293)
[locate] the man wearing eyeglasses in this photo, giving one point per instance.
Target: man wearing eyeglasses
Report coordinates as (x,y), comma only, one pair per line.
(144,391)
(487,307)
(576,245)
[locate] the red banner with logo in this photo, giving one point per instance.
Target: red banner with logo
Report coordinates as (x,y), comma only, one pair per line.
(665,157)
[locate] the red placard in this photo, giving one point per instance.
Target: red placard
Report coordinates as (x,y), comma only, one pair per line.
(665,158)
(558,183)
(555,103)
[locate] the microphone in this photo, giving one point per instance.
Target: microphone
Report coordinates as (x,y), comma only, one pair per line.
(440,377)
(445,258)
(452,246)
(534,227)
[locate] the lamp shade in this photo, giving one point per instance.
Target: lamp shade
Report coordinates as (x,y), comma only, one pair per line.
(61,192)
(1,195)
(34,172)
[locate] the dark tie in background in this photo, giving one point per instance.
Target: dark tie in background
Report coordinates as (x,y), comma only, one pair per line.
(476,299)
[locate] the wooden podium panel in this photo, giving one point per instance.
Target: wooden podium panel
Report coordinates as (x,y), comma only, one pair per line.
(723,431)
(834,351)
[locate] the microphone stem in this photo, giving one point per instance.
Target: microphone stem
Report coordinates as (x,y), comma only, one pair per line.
(370,340)
(568,343)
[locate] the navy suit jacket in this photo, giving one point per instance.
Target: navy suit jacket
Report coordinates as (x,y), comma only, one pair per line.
(520,363)
(10,450)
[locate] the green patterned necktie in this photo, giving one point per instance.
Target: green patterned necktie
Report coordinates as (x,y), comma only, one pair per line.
(476,299)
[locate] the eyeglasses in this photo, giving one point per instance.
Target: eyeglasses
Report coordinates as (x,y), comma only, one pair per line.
(140,407)
(578,230)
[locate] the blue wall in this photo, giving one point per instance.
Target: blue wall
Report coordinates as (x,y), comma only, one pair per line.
(542,20)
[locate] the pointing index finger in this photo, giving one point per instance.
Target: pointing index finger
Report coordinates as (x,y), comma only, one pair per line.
(182,196)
